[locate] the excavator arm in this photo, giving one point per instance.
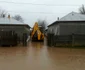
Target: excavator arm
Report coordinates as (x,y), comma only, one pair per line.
(35,28)
(40,35)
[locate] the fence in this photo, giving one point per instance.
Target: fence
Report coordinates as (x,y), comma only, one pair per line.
(8,38)
(66,40)
(24,39)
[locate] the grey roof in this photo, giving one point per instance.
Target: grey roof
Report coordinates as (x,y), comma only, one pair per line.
(11,21)
(73,16)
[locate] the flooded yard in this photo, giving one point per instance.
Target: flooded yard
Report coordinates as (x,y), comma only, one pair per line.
(37,56)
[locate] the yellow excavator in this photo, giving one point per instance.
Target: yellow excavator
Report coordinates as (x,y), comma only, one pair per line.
(36,34)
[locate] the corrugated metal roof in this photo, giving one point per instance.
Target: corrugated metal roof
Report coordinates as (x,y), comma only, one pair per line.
(11,21)
(73,16)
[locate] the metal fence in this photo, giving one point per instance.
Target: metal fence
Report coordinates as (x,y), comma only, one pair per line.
(66,40)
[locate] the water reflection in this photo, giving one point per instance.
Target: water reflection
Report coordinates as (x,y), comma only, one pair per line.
(37,56)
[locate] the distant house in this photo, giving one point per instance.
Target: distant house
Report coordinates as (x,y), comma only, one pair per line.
(10,24)
(69,24)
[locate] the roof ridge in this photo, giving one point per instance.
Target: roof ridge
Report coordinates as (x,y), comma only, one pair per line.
(73,16)
(67,14)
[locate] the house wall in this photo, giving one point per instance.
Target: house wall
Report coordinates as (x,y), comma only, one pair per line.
(54,29)
(18,29)
(69,28)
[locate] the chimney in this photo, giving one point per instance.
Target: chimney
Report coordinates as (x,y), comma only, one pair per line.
(9,16)
(58,18)
(3,15)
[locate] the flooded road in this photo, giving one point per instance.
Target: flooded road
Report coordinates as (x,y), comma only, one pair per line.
(38,56)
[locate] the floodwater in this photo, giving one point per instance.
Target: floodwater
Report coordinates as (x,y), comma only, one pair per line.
(37,56)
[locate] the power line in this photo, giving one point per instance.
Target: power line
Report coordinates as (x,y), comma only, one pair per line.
(36,12)
(36,4)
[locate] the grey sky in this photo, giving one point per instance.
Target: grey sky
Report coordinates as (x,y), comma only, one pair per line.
(49,10)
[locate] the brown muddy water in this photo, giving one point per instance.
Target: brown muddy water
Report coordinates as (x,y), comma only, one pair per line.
(37,56)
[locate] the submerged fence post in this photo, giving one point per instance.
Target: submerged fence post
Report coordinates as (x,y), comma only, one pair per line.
(54,38)
(73,40)
(50,39)
(24,39)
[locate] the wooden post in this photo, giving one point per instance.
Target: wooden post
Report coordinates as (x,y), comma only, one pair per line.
(24,39)
(73,40)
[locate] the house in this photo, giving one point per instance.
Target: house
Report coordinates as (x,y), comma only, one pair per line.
(10,24)
(72,23)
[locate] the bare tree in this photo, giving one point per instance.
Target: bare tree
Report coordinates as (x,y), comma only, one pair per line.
(42,24)
(2,12)
(82,9)
(18,18)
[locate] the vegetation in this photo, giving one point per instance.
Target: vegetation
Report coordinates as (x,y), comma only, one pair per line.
(3,13)
(82,9)
(42,24)
(18,18)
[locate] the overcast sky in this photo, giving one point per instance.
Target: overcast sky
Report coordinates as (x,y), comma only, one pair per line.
(33,10)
